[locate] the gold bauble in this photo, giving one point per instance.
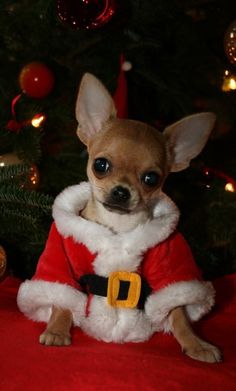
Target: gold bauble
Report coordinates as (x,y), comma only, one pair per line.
(229,81)
(230,43)
(9,159)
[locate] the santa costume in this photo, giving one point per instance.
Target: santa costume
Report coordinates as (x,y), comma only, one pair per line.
(83,262)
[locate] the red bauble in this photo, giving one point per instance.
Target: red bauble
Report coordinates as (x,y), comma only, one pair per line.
(85,14)
(36,80)
(13,126)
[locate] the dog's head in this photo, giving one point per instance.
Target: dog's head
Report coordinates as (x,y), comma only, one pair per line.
(129,160)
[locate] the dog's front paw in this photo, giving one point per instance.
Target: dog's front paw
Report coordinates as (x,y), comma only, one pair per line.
(203,351)
(50,338)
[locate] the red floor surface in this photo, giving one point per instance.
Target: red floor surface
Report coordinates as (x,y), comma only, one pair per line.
(92,365)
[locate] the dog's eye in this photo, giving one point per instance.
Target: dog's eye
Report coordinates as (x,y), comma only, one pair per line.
(151,178)
(101,165)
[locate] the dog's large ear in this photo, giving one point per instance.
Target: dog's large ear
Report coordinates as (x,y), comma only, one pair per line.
(187,137)
(94,107)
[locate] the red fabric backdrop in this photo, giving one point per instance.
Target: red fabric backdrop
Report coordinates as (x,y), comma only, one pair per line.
(92,365)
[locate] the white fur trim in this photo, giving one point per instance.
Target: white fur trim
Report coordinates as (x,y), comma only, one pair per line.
(196,296)
(36,298)
(117,251)
(116,325)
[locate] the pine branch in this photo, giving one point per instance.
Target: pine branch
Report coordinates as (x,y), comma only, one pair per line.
(28,144)
(10,172)
(23,221)
(17,197)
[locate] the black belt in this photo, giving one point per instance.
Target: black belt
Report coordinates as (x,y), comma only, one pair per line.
(97,285)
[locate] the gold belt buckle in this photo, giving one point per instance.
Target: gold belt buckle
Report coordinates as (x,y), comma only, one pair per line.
(114,288)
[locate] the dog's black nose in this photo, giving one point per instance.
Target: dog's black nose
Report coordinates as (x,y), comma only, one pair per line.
(120,194)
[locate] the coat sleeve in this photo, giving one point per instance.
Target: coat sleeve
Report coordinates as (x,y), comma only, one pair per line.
(52,285)
(176,281)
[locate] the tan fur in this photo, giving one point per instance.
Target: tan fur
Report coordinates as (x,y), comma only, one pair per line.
(132,148)
(191,345)
(121,142)
(58,328)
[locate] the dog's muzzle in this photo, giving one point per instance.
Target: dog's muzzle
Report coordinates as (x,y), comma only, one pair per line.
(122,289)
(118,199)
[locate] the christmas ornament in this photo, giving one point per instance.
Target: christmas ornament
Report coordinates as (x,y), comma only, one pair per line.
(9,159)
(14,126)
(85,14)
(30,181)
(36,80)
(230,43)
(3,262)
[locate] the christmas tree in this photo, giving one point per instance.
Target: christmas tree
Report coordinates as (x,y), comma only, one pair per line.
(182,56)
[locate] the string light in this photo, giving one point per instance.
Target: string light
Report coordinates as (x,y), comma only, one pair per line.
(230,187)
(230,183)
(38,120)
(229,82)
(15,126)
(34,176)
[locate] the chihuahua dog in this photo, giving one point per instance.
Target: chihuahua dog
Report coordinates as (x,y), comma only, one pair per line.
(136,275)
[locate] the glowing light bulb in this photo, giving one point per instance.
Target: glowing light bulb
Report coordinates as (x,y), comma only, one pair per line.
(38,120)
(229,82)
(232,84)
(230,187)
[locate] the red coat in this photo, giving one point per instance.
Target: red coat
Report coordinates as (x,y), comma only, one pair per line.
(65,261)
(155,250)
